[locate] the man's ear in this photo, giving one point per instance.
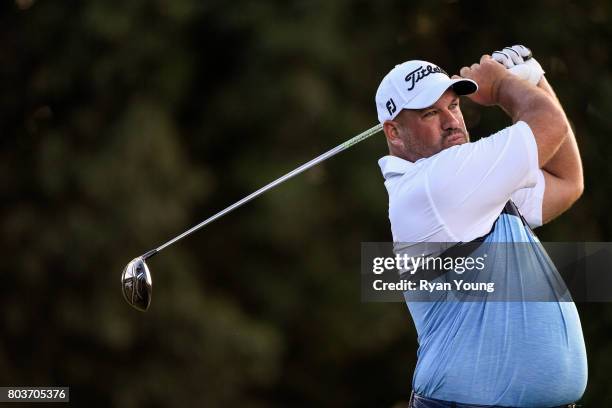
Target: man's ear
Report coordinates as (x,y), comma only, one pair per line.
(391,129)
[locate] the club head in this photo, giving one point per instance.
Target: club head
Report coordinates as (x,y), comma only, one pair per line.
(136,284)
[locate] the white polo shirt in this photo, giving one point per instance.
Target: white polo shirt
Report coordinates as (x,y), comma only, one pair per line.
(457,194)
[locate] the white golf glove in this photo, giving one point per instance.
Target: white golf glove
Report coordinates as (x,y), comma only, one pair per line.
(519,61)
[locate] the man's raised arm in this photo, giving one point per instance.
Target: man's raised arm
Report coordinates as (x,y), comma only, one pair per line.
(522,102)
(563,172)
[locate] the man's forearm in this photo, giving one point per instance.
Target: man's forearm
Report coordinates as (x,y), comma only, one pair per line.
(523,101)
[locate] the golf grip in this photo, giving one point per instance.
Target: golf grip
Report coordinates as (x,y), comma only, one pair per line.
(353,141)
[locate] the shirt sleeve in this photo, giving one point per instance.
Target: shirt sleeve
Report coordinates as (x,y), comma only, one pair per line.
(529,201)
(468,185)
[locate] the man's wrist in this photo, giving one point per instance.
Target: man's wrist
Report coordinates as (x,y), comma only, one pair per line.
(515,95)
(501,91)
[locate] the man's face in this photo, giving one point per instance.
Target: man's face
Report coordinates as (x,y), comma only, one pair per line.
(422,133)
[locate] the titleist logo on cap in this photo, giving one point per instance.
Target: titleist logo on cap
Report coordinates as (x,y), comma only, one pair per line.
(415,76)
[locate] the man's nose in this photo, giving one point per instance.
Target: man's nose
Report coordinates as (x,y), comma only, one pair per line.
(449,120)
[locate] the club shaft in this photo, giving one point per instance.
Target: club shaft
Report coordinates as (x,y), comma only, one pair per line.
(362,136)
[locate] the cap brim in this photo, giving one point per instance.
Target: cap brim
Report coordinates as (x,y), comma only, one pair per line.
(430,95)
(464,86)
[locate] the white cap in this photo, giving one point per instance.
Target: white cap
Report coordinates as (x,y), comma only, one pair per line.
(416,85)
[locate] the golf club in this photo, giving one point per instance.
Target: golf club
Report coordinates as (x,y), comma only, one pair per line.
(136,282)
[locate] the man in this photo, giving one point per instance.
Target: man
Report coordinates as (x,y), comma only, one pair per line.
(442,188)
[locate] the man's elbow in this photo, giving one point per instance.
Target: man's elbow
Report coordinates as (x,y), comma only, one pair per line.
(577,190)
(562,201)
(573,191)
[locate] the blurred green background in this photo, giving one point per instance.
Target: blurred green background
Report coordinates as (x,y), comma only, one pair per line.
(123,123)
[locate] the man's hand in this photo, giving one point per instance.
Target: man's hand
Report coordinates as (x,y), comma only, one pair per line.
(519,61)
(489,75)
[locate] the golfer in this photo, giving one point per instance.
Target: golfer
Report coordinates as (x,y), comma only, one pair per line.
(445,189)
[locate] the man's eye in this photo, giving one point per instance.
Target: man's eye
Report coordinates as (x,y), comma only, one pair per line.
(453,105)
(429,113)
